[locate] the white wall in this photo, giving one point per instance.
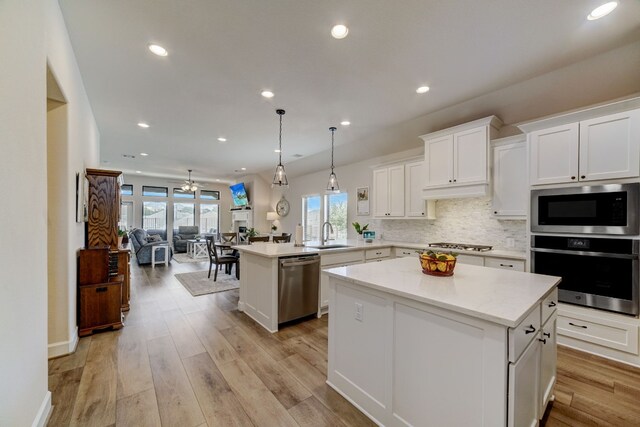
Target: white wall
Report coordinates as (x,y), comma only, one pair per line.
(23,229)
(79,151)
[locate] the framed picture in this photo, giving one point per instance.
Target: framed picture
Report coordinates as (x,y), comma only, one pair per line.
(362,200)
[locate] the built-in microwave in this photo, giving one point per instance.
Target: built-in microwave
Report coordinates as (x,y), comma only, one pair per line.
(596,209)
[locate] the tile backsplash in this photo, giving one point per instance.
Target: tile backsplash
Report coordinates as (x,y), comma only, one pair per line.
(458,221)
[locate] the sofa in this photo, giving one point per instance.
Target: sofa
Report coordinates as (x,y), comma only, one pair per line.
(142,247)
(184,233)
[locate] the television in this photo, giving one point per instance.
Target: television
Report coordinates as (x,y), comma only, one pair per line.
(239,195)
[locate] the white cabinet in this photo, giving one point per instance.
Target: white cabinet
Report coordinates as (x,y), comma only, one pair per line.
(510,184)
(331,260)
(388,191)
(547,363)
(377,254)
(416,206)
(524,384)
(504,263)
(606,147)
(456,160)
(470,259)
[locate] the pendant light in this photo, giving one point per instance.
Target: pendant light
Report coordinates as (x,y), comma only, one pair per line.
(280,177)
(332,185)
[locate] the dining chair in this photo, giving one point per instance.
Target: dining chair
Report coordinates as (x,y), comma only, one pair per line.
(220,260)
(228,238)
(258,239)
(282,239)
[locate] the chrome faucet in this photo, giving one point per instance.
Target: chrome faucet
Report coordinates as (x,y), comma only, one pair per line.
(325,237)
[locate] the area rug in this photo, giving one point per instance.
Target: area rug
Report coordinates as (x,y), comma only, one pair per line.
(198,284)
(184,258)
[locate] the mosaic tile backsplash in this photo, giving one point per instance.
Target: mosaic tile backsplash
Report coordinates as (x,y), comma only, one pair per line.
(458,221)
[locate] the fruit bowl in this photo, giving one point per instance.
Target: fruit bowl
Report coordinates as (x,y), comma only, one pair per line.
(437,264)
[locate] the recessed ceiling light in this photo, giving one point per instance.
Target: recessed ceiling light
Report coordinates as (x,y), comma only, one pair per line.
(267,94)
(138,171)
(144,154)
(276,151)
(222,139)
(243,169)
(158,50)
(345,123)
(339,31)
(422,89)
(143,125)
(218,180)
(603,10)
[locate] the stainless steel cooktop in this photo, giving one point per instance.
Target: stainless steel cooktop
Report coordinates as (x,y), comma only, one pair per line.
(462,246)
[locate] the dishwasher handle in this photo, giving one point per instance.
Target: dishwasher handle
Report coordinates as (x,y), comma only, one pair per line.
(285,263)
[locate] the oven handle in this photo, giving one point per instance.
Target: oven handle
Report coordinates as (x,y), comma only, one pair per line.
(586,253)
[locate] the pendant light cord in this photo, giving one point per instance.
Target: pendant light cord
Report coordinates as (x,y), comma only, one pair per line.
(280,113)
(332,133)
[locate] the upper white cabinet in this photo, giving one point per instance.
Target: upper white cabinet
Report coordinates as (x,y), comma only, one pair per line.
(456,160)
(606,147)
(416,206)
(388,191)
(510,184)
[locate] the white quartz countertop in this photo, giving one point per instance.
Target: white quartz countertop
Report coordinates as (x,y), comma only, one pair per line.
(274,250)
(499,296)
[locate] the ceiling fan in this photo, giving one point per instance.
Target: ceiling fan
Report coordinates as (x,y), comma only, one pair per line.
(190,185)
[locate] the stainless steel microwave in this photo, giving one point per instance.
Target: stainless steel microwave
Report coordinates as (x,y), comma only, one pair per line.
(596,209)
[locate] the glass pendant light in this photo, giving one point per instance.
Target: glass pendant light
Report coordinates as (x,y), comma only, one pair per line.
(280,177)
(332,185)
(189,185)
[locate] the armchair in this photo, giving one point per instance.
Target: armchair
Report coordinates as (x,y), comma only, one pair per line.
(184,233)
(142,248)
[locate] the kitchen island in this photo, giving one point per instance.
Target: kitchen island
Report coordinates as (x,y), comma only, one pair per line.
(476,348)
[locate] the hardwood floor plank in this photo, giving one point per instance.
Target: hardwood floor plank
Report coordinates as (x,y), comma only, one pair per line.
(218,402)
(177,402)
(273,346)
(96,399)
(140,410)
(311,413)
(64,390)
(575,418)
(605,409)
(627,392)
(563,394)
(310,353)
(134,370)
(570,370)
(183,335)
(216,345)
(261,406)
(73,360)
(239,341)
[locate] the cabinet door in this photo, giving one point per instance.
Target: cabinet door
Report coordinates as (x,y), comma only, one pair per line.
(396,191)
(554,155)
(470,259)
(381,192)
(610,147)
(510,186)
(547,363)
(438,156)
(413,189)
(524,377)
(470,156)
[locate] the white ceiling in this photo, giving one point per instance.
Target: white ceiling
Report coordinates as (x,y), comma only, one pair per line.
(223,53)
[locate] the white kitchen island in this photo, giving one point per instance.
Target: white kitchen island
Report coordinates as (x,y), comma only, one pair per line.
(477,348)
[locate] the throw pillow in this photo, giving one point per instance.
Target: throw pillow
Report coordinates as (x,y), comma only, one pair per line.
(154,238)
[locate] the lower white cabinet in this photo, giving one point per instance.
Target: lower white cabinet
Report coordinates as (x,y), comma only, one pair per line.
(341,259)
(547,363)
(524,385)
(504,263)
(470,259)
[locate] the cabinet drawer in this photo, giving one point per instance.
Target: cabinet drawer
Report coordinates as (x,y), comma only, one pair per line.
(341,258)
(521,335)
(377,253)
(549,305)
(407,252)
(470,259)
(504,263)
(605,332)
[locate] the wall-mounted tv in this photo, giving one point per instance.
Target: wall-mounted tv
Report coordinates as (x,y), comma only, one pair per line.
(239,194)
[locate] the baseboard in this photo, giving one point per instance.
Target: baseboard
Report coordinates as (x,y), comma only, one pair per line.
(62,348)
(42,417)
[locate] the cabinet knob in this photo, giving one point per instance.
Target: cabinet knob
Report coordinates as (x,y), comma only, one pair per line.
(582,177)
(423,213)
(455,180)
(578,326)
(542,340)
(552,304)
(506,265)
(573,177)
(449,180)
(495,212)
(531,329)
(546,334)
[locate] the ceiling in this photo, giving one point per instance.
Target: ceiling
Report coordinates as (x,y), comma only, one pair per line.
(223,53)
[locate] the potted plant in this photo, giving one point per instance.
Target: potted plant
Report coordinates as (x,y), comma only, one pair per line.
(121,234)
(251,232)
(359,229)
(274,228)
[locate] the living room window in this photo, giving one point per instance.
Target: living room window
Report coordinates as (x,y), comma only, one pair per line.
(151,191)
(183,214)
(209,218)
(126,216)
(154,215)
(126,190)
(317,209)
(209,195)
(179,193)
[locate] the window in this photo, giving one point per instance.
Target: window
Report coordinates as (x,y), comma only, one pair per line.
(180,193)
(154,215)
(183,214)
(148,190)
(126,190)
(209,218)
(311,214)
(317,209)
(209,195)
(126,216)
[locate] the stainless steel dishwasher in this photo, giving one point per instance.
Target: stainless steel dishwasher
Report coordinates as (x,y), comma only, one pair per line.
(298,281)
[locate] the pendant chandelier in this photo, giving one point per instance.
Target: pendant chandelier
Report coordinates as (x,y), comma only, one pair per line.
(280,177)
(332,185)
(189,185)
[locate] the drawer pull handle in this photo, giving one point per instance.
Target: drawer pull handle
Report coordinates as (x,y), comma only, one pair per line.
(578,326)
(542,340)
(552,304)
(506,265)
(531,329)
(546,334)
(103,289)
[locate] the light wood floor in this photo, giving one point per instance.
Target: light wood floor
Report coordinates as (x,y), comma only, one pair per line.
(185,361)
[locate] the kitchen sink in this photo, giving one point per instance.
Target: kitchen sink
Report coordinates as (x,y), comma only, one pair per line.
(329,246)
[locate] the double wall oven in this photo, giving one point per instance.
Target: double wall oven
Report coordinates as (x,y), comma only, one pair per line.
(591,239)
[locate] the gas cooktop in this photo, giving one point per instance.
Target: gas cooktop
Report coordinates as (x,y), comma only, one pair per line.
(462,246)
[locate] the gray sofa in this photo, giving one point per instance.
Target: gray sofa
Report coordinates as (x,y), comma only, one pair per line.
(184,233)
(142,248)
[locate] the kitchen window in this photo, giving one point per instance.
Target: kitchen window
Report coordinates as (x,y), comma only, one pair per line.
(317,209)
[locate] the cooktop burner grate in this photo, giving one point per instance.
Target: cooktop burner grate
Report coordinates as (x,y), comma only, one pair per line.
(461,246)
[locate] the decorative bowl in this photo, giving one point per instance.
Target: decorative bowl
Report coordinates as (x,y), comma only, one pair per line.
(436,265)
